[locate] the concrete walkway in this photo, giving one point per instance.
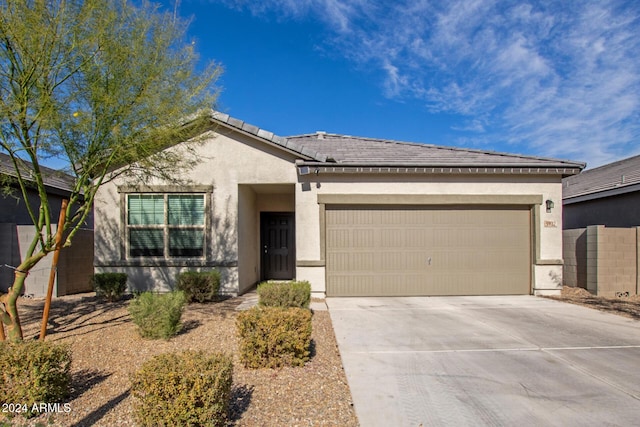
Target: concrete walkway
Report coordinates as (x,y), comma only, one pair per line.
(499,361)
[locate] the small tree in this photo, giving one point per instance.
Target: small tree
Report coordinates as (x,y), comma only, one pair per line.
(93,85)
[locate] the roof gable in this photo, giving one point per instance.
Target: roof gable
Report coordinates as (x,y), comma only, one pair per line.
(337,153)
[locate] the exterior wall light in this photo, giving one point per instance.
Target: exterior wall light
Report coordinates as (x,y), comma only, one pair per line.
(549,204)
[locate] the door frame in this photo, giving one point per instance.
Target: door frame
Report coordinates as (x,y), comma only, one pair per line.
(264,216)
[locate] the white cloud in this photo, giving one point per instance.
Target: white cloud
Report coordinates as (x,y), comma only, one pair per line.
(475,125)
(555,78)
(337,14)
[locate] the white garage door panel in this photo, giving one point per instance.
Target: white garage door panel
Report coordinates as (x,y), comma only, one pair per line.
(427,251)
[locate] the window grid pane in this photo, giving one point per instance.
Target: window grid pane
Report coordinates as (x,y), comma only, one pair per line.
(186,209)
(186,242)
(146,242)
(146,209)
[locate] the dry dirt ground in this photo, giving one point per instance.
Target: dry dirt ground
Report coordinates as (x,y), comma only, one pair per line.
(624,306)
(107,350)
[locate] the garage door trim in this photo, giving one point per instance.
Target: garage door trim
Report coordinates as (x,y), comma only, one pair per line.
(430,199)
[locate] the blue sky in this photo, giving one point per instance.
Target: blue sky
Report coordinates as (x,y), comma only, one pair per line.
(546,78)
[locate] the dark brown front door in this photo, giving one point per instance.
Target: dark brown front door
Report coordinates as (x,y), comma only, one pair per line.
(278,245)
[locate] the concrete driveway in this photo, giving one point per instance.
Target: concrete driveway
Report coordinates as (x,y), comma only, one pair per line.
(499,361)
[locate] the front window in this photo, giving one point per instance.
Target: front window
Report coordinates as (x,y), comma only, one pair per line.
(166,225)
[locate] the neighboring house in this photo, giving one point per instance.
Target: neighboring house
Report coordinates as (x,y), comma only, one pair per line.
(608,195)
(75,264)
(353,216)
(601,213)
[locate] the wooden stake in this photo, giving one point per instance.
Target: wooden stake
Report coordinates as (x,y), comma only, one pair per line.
(54,266)
(2,337)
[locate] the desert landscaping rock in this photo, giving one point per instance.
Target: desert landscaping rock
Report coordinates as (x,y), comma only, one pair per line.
(623,306)
(107,350)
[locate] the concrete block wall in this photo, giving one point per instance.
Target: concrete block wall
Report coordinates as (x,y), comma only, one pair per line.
(603,260)
(75,264)
(37,281)
(574,254)
(9,254)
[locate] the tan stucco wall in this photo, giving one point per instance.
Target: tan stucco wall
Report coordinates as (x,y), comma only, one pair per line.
(227,163)
(248,177)
(248,229)
(251,201)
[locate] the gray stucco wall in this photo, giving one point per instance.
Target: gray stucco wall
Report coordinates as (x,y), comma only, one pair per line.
(9,254)
(615,211)
(75,264)
(13,210)
(16,232)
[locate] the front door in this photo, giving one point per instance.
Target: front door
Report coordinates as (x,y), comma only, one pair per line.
(278,245)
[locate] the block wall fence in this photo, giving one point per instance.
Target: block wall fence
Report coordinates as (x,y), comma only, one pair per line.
(603,260)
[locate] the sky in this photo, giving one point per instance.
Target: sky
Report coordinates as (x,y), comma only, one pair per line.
(556,79)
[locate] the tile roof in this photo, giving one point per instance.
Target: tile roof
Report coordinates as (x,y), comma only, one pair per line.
(268,136)
(351,150)
(52,178)
(326,149)
(621,176)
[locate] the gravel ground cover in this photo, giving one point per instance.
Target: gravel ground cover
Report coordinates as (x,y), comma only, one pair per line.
(107,350)
(623,306)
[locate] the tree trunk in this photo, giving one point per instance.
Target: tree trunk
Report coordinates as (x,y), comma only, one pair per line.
(10,316)
(14,329)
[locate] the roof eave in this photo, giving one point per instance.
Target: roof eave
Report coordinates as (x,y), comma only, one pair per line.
(563,170)
(267,137)
(609,192)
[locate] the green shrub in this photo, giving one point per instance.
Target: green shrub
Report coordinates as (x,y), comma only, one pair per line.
(158,315)
(199,286)
(284,294)
(271,337)
(110,285)
(34,372)
(184,389)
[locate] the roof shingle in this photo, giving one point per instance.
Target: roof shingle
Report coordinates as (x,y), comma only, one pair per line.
(332,149)
(351,150)
(52,178)
(617,175)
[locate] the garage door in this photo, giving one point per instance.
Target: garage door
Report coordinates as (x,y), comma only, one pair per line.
(402,251)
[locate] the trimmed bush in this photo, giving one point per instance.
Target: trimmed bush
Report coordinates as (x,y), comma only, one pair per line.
(184,389)
(271,337)
(110,286)
(199,286)
(158,315)
(284,294)
(34,372)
